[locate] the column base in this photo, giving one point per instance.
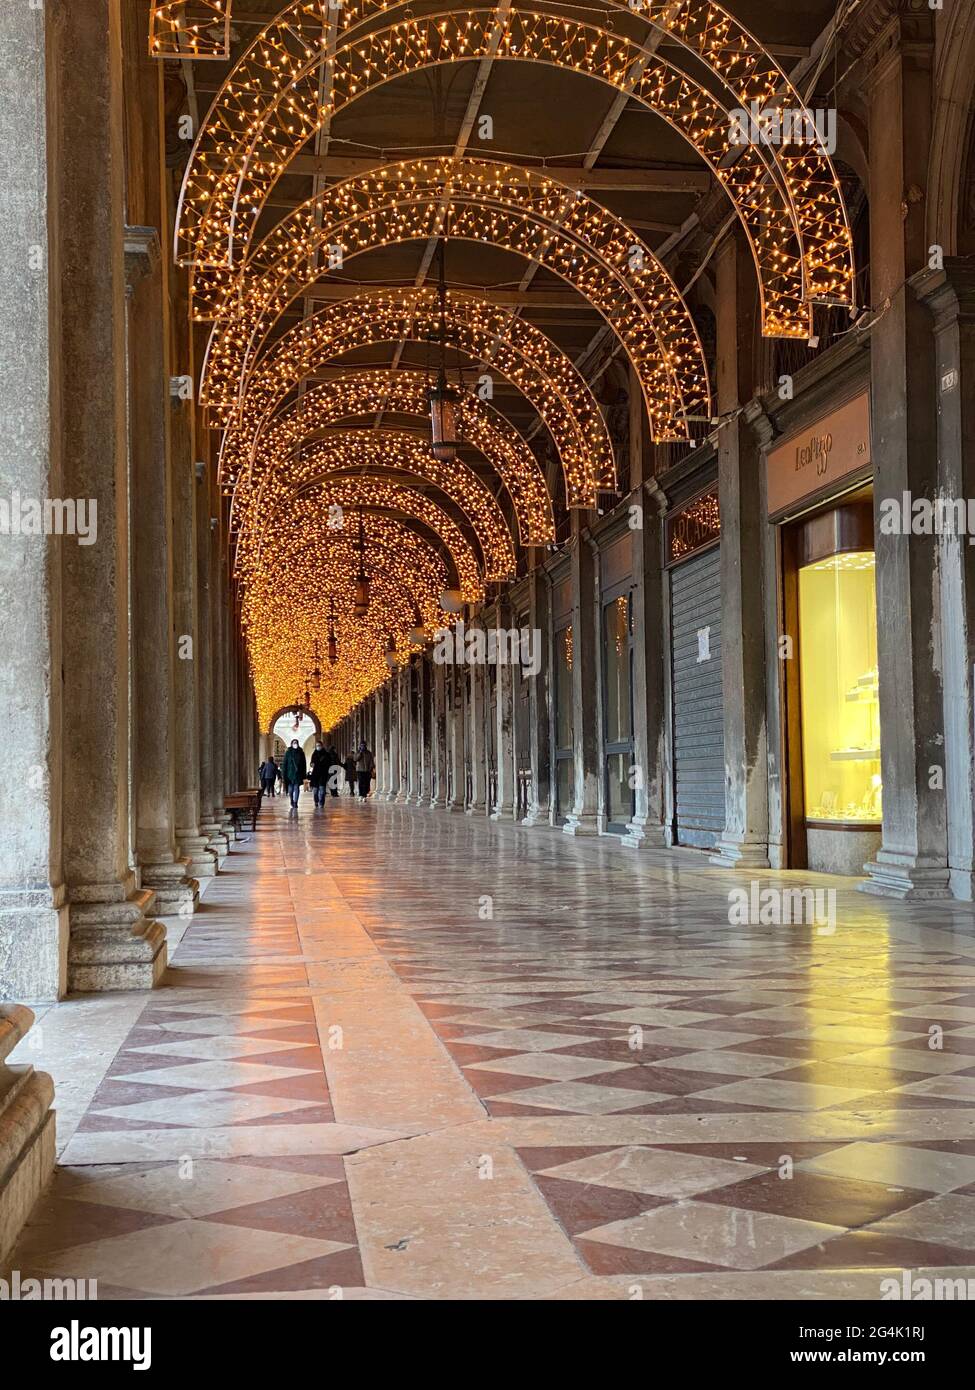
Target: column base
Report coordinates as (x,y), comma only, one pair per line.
(476,808)
(731,854)
(115,945)
(962,884)
(176,893)
(200,858)
(33,945)
(893,875)
(583,825)
(26,1130)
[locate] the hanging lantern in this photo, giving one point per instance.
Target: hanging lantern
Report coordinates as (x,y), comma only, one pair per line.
(418,633)
(451,601)
(360,603)
(333,646)
(315,675)
(391,660)
(443,420)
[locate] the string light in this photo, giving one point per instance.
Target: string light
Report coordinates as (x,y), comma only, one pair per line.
(515,349)
(190,29)
(515,208)
(787,194)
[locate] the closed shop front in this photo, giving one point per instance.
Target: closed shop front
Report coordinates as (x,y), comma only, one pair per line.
(693,557)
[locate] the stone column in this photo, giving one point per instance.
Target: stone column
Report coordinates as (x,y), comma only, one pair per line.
(950,296)
(477,806)
(395,732)
(913,859)
(741,496)
(114,942)
(379,747)
(426,787)
(584,817)
(26,1119)
(438,795)
(456,735)
(33,915)
(210,825)
(504,717)
(191,839)
(540,698)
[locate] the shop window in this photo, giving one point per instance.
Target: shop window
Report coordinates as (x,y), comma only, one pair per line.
(618,686)
(839,688)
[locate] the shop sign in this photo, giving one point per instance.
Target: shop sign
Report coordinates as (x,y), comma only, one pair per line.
(695,526)
(814,460)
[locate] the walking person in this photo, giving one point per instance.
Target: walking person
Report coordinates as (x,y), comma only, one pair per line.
(318,773)
(365,766)
(350,771)
(335,769)
(269,775)
(295,771)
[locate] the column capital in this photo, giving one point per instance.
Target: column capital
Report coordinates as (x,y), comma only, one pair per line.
(143,255)
(759,422)
(882,30)
(949,292)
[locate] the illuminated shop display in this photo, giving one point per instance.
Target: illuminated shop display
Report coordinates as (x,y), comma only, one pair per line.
(839,683)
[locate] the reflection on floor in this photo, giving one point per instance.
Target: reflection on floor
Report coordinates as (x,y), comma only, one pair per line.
(402,1053)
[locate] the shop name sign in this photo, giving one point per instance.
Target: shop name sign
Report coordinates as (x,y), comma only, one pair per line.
(696,525)
(813,461)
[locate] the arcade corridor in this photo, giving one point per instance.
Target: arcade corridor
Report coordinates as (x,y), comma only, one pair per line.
(354,1082)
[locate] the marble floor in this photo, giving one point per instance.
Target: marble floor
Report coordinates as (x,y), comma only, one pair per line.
(407,1054)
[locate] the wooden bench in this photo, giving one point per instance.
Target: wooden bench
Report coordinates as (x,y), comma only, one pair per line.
(244,803)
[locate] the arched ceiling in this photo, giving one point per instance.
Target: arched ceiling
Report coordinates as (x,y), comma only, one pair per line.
(553,160)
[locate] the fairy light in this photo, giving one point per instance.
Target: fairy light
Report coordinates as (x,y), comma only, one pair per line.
(787,196)
(515,349)
(190,29)
(517,209)
(363,393)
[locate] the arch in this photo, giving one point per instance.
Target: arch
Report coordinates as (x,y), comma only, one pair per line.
(480,201)
(268,724)
(513,347)
(951,135)
(371,453)
(786,196)
(176,33)
(295,511)
(405,393)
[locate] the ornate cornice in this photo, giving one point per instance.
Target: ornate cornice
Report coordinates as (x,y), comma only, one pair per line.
(880,27)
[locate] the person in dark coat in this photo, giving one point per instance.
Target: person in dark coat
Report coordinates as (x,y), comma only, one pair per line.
(269,775)
(365,765)
(318,773)
(350,773)
(335,769)
(295,771)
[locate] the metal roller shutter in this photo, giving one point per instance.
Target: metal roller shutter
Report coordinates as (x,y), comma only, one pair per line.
(699,776)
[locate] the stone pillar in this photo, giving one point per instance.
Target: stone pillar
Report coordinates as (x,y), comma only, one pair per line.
(913,859)
(114,943)
(504,716)
(950,296)
(540,699)
(438,794)
(26,1118)
(741,496)
(191,839)
(456,734)
(379,748)
(426,788)
(395,733)
(584,816)
(210,824)
(33,915)
(477,805)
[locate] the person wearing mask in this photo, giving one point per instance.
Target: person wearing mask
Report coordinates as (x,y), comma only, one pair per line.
(318,773)
(365,766)
(335,769)
(295,771)
(350,773)
(269,775)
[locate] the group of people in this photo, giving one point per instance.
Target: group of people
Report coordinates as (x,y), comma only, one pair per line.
(325,772)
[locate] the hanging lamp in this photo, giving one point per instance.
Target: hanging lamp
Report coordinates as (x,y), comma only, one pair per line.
(443,398)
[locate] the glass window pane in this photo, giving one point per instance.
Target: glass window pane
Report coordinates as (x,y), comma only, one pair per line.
(616,663)
(619,795)
(563,786)
(839,685)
